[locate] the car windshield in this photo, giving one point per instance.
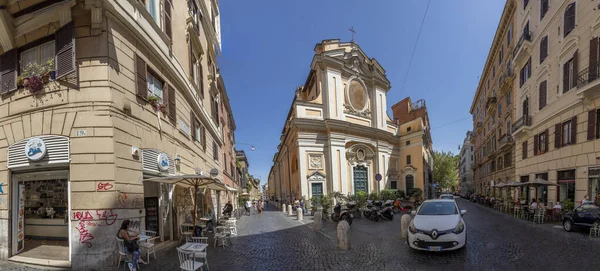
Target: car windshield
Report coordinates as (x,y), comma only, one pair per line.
(438,208)
(447,197)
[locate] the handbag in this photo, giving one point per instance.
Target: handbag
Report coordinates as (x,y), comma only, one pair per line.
(131,245)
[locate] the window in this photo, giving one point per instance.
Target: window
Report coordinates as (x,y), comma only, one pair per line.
(543,8)
(215,109)
(508,98)
(408,162)
(316,189)
(493,71)
(543,94)
(471,157)
(153,7)
(569,23)
(393,185)
(524,148)
(508,127)
(525,2)
(40,54)
(500,56)
(509,35)
(407,142)
(194,13)
(488,84)
(499,110)
(540,143)
(525,73)
(471,148)
(570,73)
(543,48)
(566,133)
(408,129)
(409,184)
(215,151)
(594,118)
(155,87)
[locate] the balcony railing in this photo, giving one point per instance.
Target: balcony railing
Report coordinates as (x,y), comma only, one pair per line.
(506,78)
(506,141)
(587,76)
(522,121)
(526,36)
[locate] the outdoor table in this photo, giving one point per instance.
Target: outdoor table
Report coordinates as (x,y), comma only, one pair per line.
(194,247)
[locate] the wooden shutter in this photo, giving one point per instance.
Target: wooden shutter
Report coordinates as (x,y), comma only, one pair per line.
(591,126)
(547,137)
(528,68)
(542,94)
(9,65)
(543,48)
(566,77)
(203,138)
(575,68)
(593,62)
(141,77)
(524,156)
(574,130)
(193,125)
(64,49)
(558,136)
(201,80)
(536,144)
(167,17)
(171,104)
(191,58)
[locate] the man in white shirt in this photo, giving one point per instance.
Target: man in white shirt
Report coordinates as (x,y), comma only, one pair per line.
(248,206)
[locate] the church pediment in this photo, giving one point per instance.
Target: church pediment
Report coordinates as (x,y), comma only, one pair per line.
(316,176)
(409,170)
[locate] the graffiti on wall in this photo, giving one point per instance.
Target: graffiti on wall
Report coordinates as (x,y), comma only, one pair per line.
(1,185)
(84,235)
(138,202)
(86,220)
(122,199)
(104,186)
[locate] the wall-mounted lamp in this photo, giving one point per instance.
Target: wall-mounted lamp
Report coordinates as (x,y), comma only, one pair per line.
(135,152)
(177,159)
(251,146)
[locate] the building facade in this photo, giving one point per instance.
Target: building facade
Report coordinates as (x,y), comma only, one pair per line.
(337,135)
(556,135)
(97,96)
(493,107)
(466,162)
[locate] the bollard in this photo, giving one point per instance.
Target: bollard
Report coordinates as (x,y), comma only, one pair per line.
(290,213)
(404,223)
(299,213)
(317,221)
(342,235)
(283,208)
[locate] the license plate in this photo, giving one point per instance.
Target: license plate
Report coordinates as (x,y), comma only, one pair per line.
(434,248)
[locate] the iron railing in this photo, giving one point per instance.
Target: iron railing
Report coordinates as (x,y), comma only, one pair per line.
(526,36)
(505,77)
(506,140)
(522,121)
(587,76)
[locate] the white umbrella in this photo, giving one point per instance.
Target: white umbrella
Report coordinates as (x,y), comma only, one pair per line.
(539,182)
(192,181)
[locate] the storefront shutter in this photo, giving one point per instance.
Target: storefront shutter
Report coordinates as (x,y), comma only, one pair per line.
(591,126)
(557,136)
(536,144)
(141,77)
(574,130)
(9,67)
(171,105)
(65,50)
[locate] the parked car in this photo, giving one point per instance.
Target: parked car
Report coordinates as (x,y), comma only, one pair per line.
(584,216)
(437,226)
(447,196)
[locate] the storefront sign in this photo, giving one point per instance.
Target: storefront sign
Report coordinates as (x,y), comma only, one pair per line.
(163,162)
(35,149)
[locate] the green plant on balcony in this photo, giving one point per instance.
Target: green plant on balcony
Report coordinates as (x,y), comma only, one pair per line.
(35,75)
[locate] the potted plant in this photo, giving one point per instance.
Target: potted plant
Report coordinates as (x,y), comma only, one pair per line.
(35,84)
(314,204)
(163,109)
(326,202)
(153,100)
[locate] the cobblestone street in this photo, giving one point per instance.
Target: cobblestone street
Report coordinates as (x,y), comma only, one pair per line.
(496,241)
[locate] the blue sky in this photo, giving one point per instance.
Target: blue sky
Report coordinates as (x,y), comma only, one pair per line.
(268,46)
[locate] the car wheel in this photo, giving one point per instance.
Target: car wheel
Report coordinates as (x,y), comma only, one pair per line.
(568,225)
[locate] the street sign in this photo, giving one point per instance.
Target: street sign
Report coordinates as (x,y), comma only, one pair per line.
(378,177)
(434,185)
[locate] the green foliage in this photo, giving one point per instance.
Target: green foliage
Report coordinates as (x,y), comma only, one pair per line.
(417,193)
(388,194)
(374,196)
(242,200)
(361,199)
(326,202)
(567,205)
(445,169)
(315,202)
(400,194)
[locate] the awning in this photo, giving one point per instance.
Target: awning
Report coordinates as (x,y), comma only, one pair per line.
(229,188)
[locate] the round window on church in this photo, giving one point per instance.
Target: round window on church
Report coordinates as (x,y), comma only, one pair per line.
(357,95)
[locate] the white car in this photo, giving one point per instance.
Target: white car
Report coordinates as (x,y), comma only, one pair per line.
(447,196)
(437,226)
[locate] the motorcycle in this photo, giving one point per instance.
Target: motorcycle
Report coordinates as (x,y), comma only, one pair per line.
(387,211)
(372,212)
(343,214)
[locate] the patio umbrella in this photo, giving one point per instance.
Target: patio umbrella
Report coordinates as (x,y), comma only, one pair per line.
(515,184)
(539,182)
(500,185)
(192,181)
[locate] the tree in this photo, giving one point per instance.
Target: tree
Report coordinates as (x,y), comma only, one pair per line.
(445,169)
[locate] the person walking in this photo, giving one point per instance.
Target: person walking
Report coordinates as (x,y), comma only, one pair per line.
(259,207)
(302,206)
(248,206)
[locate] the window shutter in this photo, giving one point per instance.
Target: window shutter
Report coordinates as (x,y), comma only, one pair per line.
(536,144)
(524,156)
(542,96)
(574,130)
(9,66)
(193,124)
(557,136)
(64,50)
(201,80)
(528,68)
(191,58)
(566,77)
(593,63)
(575,68)
(543,48)
(167,17)
(171,104)
(203,139)
(547,138)
(141,77)
(591,126)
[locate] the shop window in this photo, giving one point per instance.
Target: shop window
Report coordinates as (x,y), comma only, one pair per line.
(566,185)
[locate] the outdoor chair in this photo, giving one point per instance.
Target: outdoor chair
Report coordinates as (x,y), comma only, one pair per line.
(124,255)
(148,245)
(187,260)
(595,230)
(221,235)
(201,240)
(539,215)
(186,232)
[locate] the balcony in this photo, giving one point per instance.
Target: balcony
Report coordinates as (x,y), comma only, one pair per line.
(521,125)
(506,141)
(523,48)
(588,85)
(490,105)
(506,80)
(491,154)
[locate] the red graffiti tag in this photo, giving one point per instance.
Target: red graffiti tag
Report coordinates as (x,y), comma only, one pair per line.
(84,235)
(123,199)
(83,216)
(107,216)
(104,186)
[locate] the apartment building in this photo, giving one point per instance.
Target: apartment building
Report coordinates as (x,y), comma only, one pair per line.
(95,97)
(557,98)
(492,107)
(466,163)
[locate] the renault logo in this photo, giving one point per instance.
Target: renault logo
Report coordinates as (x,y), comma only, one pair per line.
(434,234)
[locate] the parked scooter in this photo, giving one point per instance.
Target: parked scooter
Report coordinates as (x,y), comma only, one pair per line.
(340,213)
(387,211)
(372,211)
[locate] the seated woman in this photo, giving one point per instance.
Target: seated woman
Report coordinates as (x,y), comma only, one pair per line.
(130,244)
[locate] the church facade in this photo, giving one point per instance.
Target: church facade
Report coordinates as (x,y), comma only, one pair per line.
(338,136)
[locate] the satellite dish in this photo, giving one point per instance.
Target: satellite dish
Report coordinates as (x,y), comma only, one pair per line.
(214,172)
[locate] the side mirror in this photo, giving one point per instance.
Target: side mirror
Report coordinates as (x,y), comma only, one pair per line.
(463,212)
(414,212)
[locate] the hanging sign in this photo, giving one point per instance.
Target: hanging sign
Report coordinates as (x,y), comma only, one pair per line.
(35,149)
(163,162)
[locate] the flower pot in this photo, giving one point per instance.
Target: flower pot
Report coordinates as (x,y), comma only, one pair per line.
(53,75)
(46,78)
(25,82)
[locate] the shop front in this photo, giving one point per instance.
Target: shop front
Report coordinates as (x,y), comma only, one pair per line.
(158,197)
(39,207)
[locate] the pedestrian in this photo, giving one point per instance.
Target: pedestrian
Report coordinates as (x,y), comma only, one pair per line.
(303,206)
(131,244)
(259,207)
(248,206)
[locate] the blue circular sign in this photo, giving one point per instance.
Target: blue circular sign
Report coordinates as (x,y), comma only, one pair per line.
(378,177)
(35,149)
(163,162)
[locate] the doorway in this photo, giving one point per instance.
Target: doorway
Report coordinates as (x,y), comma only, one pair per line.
(360,179)
(40,215)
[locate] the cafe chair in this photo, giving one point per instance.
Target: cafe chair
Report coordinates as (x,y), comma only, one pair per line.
(186,231)
(124,255)
(201,240)
(148,245)
(202,256)
(187,260)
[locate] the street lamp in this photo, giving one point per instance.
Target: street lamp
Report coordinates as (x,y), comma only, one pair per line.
(251,146)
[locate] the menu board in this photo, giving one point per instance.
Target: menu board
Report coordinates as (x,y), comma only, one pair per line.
(21,219)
